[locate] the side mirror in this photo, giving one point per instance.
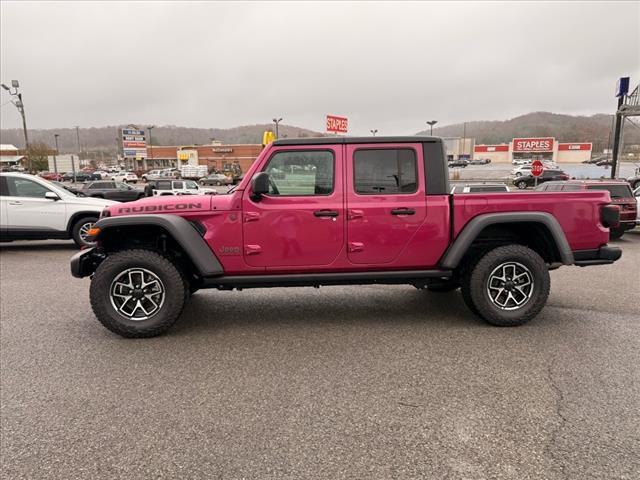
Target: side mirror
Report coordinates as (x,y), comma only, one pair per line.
(259,185)
(52,196)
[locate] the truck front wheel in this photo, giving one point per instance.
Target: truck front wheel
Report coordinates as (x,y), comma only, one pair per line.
(137,293)
(508,286)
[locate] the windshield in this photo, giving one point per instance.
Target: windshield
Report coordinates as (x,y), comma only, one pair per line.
(616,191)
(190,184)
(59,189)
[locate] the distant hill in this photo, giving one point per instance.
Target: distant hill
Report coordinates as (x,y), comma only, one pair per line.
(565,128)
(104,138)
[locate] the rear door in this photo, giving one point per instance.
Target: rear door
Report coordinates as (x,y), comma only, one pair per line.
(301,221)
(386,202)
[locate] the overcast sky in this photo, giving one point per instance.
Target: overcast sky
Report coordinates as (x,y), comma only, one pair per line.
(389,66)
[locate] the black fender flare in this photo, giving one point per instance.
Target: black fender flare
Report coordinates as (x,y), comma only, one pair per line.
(183,232)
(456,251)
(77,215)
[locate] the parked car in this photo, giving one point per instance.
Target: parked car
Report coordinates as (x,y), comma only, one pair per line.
(376,217)
(604,163)
(636,194)
(179,187)
(118,191)
(215,179)
(619,190)
(526,169)
(166,173)
(32,208)
(634,180)
(79,177)
(480,188)
(124,177)
(548,175)
(56,177)
(479,161)
(459,163)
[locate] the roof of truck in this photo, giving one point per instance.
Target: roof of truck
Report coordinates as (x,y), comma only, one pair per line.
(334,140)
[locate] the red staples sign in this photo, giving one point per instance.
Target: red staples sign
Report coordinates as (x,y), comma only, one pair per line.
(533,144)
(337,124)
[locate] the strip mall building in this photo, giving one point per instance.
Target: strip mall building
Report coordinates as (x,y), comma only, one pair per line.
(543,148)
(215,156)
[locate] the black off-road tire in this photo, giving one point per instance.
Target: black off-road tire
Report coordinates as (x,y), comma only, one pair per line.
(175,287)
(474,286)
(616,233)
(75,231)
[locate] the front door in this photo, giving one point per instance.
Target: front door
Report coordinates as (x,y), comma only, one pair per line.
(386,203)
(27,209)
(301,221)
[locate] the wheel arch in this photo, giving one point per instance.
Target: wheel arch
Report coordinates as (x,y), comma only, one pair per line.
(537,230)
(117,233)
(78,216)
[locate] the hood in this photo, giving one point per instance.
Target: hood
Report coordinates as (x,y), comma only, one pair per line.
(177,204)
(89,201)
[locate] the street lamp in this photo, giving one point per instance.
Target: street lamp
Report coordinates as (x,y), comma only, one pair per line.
(431,123)
(20,106)
(55,161)
(78,138)
(277,121)
(374,131)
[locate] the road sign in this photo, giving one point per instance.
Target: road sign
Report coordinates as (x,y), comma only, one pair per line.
(337,124)
(537,168)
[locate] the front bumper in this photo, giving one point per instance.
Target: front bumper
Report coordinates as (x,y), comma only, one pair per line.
(85,262)
(601,256)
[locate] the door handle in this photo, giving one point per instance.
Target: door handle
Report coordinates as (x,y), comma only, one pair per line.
(325,213)
(15,203)
(403,211)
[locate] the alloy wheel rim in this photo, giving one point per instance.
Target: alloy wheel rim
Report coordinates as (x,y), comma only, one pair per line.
(510,286)
(137,294)
(83,233)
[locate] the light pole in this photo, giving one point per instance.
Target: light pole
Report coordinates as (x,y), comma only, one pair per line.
(277,122)
(20,106)
(374,131)
(55,161)
(79,148)
(431,123)
(151,127)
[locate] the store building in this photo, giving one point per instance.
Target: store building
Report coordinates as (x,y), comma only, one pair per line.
(216,156)
(10,155)
(459,147)
(535,148)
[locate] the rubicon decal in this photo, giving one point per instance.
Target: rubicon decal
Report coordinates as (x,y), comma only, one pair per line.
(161,208)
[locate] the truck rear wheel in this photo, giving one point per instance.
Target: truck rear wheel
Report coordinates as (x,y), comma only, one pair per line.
(137,293)
(508,286)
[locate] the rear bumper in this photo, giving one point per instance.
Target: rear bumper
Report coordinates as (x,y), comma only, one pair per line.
(602,256)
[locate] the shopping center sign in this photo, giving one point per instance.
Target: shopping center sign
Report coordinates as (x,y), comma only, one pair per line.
(544,144)
(337,124)
(134,143)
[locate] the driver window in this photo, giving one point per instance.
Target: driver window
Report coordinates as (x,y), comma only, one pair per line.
(301,173)
(22,187)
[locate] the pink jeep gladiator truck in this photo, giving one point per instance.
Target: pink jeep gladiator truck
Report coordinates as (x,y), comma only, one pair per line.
(342,211)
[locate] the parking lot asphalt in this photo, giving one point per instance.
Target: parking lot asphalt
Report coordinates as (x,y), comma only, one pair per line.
(340,382)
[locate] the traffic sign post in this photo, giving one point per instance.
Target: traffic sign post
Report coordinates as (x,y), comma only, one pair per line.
(536,170)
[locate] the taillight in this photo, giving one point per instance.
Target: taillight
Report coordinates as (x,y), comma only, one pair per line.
(610,215)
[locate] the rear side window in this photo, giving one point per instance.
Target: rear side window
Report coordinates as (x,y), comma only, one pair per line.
(300,173)
(616,191)
(570,188)
(385,171)
(163,185)
(178,185)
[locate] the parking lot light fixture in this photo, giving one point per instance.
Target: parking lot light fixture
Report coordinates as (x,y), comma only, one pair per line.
(374,131)
(277,122)
(431,123)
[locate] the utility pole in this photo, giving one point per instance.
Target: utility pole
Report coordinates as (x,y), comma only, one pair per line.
(55,161)
(79,148)
(277,122)
(622,89)
(19,104)
(431,123)
(464,138)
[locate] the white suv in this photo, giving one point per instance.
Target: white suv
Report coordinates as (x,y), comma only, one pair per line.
(125,177)
(32,208)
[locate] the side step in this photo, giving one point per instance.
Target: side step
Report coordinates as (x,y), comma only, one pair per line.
(411,277)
